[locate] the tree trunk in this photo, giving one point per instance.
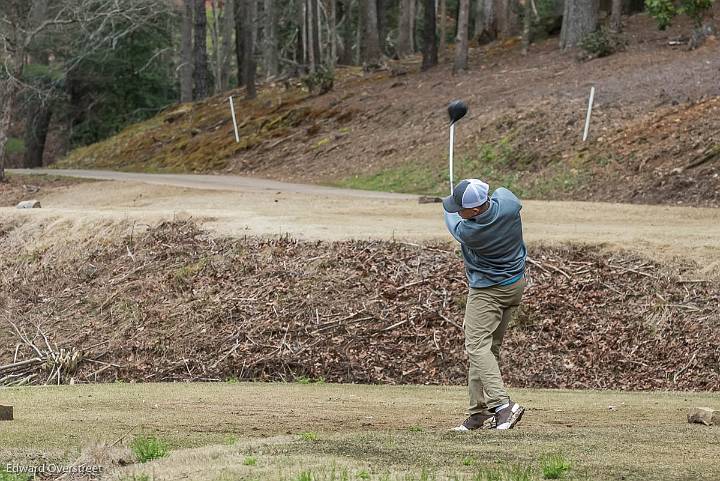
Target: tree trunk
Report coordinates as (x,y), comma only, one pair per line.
(240,40)
(430,54)
(413,23)
(346,58)
(616,16)
(200,74)
(310,34)
(580,19)
(382,26)
(227,32)
(15,63)
(317,33)
(332,28)
(506,18)
(443,28)
(36,130)
(249,65)
(404,27)
(38,108)
(271,47)
(527,22)
(479,21)
(461,42)
(186,52)
(371,53)
(487,31)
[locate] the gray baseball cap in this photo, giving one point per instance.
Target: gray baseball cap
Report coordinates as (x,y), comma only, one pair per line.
(467,194)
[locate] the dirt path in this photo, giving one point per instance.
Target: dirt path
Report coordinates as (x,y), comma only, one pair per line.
(235,205)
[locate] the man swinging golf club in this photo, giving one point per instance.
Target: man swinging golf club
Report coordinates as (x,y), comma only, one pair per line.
(489,230)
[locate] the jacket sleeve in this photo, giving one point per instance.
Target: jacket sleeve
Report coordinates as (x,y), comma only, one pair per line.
(456,226)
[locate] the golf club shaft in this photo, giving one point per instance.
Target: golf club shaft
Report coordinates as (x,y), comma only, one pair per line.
(452,145)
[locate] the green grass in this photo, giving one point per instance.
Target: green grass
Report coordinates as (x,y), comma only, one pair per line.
(554,466)
(309,436)
(249,461)
(148,448)
(499,164)
(5,476)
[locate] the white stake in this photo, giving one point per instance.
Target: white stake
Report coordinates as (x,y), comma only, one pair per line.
(232,111)
(589,112)
(452,142)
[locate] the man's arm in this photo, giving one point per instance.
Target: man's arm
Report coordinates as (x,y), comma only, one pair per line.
(454,224)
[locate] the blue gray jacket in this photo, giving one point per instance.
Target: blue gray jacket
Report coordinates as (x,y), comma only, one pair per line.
(492,243)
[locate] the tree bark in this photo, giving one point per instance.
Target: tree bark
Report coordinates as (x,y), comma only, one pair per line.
(200,74)
(332,28)
(186,52)
(380,8)
(527,22)
(616,16)
(11,85)
(39,113)
(271,43)
(371,53)
(249,66)
(461,42)
(227,32)
(413,23)
(443,28)
(404,27)
(580,19)
(317,33)
(430,54)
(347,34)
(488,30)
(240,40)
(36,130)
(310,34)
(506,18)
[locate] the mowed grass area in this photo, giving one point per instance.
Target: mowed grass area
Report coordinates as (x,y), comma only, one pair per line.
(257,431)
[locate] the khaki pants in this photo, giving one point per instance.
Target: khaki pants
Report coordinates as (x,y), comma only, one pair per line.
(487,315)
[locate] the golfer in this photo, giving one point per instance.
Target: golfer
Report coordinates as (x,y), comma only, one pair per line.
(489,231)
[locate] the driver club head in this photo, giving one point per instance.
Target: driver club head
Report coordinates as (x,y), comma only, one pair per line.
(456,110)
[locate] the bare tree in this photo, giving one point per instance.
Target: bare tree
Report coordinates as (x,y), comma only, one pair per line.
(616,16)
(443,28)
(186,57)
(240,40)
(37,121)
(580,18)
(506,18)
(200,72)
(461,42)
(487,31)
(527,23)
(249,66)
(404,47)
(88,24)
(271,48)
(228,21)
(429,49)
(371,53)
(332,29)
(347,33)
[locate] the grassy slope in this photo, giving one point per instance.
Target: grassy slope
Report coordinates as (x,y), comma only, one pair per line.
(377,429)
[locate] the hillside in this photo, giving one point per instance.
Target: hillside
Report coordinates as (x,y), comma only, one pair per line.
(655,134)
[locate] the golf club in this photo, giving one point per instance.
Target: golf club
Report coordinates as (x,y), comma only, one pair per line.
(456,110)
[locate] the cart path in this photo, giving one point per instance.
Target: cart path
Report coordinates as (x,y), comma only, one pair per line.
(233,205)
